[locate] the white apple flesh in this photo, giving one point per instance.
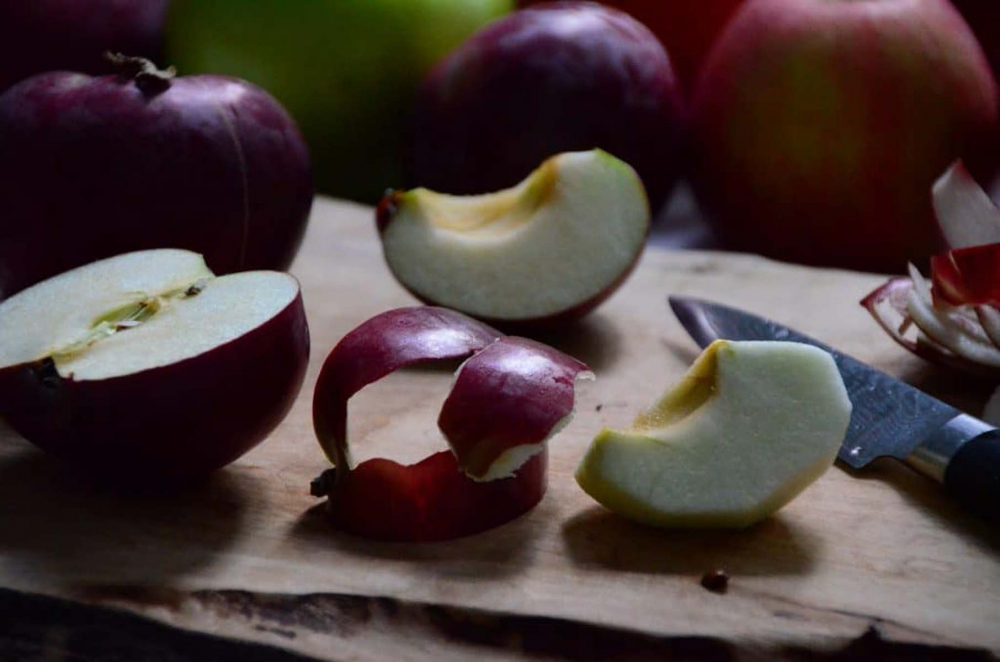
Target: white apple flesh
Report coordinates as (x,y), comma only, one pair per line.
(552,247)
(146,363)
(751,425)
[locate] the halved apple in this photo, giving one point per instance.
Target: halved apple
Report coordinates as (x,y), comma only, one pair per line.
(554,246)
(751,425)
(147,363)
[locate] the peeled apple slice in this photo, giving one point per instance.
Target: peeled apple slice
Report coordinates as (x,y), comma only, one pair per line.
(750,426)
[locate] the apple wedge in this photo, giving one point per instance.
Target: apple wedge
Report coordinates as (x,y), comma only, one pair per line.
(553,247)
(751,425)
(146,366)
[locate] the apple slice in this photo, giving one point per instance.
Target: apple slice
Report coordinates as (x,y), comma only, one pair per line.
(146,366)
(751,425)
(553,247)
(508,398)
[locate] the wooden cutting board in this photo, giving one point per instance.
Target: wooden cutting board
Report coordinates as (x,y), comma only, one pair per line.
(245,567)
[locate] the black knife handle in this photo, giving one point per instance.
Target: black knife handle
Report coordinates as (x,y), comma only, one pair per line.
(973,475)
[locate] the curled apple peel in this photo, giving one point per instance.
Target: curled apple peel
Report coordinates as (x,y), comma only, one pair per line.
(954,319)
(508,398)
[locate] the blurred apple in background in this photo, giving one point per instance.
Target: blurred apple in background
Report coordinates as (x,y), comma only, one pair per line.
(983,16)
(687,28)
(561,77)
(347,71)
(47,35)
(820,125)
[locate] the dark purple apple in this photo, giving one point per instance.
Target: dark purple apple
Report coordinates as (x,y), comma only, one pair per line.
(95,167)
(567,76)
(687,28)
(49,35)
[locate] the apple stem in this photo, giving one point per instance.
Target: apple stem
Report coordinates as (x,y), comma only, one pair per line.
(323,484)
(148,78)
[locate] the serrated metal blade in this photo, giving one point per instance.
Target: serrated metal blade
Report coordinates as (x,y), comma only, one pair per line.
(890,418)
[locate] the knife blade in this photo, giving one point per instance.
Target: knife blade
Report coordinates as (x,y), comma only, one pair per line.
(889,418)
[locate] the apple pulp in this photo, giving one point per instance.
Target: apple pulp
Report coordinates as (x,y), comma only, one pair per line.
(146,367)
(551,248)
(489,476)
(750,426)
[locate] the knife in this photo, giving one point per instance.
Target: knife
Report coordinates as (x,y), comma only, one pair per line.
(889,418)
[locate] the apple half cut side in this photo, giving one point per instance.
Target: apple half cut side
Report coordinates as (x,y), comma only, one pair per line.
(551,248)
(146,367)
(750,426)
(496,468)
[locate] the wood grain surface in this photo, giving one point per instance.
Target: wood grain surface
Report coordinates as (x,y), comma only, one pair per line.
(880,564)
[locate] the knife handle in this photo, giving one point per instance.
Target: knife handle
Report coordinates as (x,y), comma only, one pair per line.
(973,474)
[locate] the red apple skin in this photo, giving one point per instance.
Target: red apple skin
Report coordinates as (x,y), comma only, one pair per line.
(50,35)
(96,167)
(386,211)
(386,343)
(563,77)
(431,500)
(167,424)
(819,127)
(434,499)
(513,393)
(687,29)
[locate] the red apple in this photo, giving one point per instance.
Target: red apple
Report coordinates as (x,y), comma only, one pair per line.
(506,401)
(567,76)
(820,125)
(687,28)
(50,35)
(146,366)
(92,167)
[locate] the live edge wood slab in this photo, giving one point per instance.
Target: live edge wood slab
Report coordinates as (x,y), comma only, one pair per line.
(879,565)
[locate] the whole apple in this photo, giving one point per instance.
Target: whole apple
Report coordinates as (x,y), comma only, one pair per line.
(347,71)
(820,125)
(687,29)
(93,167)
(48,35)
(566,76)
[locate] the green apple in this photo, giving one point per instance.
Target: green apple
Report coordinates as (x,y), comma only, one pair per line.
(751,425)
(347,70)
(551,248)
